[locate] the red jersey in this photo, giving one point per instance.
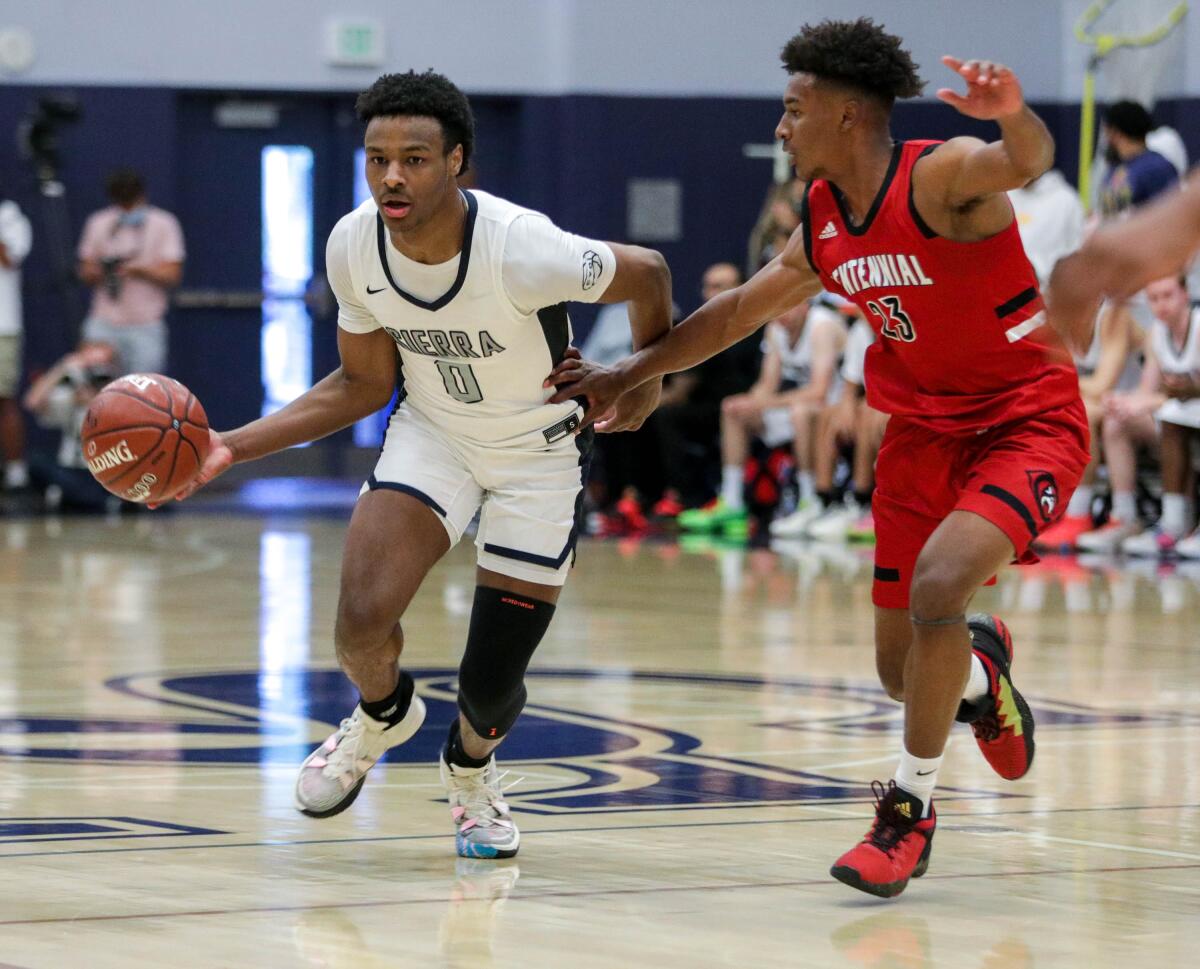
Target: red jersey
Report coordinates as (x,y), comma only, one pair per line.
(962,344)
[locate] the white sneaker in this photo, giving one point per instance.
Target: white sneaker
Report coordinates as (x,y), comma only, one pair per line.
(1108,538)
(835,523)
(483,827)
(333,774)
(796,524)
(1189,548)
(1152,543)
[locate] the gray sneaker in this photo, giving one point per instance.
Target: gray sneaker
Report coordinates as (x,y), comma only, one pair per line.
(333,774)
(483,827)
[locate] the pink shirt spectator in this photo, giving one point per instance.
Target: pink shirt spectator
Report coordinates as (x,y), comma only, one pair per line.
(157,239)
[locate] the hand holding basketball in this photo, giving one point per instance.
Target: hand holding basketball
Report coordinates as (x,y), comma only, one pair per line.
(219,460)
(993,90)
(145,437)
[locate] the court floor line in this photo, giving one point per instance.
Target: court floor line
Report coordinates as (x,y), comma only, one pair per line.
(581,893)
(841,815)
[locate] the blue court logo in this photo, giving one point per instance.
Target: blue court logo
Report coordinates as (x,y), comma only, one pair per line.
(639,754)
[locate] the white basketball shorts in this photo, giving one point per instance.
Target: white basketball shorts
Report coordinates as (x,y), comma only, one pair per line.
(530,498)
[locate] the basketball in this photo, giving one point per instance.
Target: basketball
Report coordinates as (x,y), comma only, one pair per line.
(144,437)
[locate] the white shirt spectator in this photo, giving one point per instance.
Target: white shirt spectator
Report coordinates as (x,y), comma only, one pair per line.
(1167,142)
(1050,219)
(17,237)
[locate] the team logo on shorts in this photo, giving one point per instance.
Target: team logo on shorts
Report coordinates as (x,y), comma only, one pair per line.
(1045,492)
(593,267)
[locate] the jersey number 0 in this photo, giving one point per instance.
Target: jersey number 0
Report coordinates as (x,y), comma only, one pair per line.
(460,381)
(896,324)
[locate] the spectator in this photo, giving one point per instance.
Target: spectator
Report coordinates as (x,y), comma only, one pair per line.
(688,415)
(797,376)
(15,240)
(1169,391)
(776,222)
(59,399)
(132,254)
(849,422)
(1050,219)
(1136,174)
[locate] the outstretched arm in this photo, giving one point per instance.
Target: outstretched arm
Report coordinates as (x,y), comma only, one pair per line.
(1121,258)
(959,187)
(721,322)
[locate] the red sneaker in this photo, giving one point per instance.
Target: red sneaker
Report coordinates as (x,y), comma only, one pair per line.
(668,506)
(630,509)
(1062,535)
(1001,721)
(896,848)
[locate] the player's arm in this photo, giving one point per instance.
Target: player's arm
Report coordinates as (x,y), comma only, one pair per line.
(721,322)
(1119,259)
(643,280)
(969,174)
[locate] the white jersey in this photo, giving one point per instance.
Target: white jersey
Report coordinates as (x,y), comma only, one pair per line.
(854,358)
(1184,362)
(477,334)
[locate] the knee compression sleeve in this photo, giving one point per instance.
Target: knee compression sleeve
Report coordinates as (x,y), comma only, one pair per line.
(505,630)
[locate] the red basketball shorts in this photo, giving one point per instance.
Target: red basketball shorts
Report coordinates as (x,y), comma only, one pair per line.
(1019,476)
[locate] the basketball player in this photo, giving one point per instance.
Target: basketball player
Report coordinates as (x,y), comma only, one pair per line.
(987,436)
(470,290)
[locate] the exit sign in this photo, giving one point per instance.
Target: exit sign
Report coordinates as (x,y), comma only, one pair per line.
(354,43)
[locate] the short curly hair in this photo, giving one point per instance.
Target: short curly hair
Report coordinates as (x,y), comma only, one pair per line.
(857,53)
(429,95)
(1129,118)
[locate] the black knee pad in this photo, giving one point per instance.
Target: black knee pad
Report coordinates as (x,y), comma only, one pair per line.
(505,630)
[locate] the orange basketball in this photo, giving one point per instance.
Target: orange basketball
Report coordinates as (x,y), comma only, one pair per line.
(145,437)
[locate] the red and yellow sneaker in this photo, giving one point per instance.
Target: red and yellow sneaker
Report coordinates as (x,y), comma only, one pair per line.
(1001,721)
(896,848)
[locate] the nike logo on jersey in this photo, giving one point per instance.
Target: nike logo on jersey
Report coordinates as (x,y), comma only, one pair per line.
(828,232)
(372,292)
(890,270)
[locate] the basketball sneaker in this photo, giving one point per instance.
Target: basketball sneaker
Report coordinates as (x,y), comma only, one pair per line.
(1107,538)
(895,849)
(833,525)
(483,827)
(333,774)
(711,518)
(862,530)
(1189,548)
(1151,544)
(1064,533)
(1001,719)
(796,524)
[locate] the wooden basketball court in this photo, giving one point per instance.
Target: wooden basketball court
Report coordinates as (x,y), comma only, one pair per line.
(702,727)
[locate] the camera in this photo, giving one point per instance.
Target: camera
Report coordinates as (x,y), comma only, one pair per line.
(112,280)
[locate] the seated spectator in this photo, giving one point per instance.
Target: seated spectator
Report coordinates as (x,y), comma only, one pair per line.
(1137,173)
(15,240)
(797,377)
(1164,410)
(776,222)
(59,398)
(1112,364)
(849,423)
(688,415)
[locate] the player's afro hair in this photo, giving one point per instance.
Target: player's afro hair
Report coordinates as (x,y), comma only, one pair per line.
(429,95)
(857,53)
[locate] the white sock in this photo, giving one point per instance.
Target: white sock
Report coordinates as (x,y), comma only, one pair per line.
(731,486)
(1124,508)
(977,682)
(918,776)
(1175,518)
(806,486)
(16,474)
(1081,502)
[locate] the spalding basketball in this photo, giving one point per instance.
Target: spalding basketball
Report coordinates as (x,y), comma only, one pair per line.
(144,437)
